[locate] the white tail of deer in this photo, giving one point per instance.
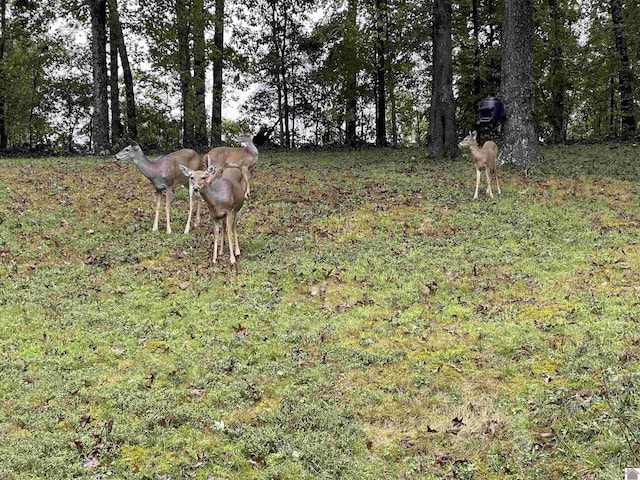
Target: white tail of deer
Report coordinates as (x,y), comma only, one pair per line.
(165,176)
(234,157)
(484,158)
(225,197)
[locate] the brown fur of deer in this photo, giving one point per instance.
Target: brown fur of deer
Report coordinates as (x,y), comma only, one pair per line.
(233,157)
(225,197)
(165,175)
(484,158)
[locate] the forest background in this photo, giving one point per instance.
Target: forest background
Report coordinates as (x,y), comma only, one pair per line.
(81,76)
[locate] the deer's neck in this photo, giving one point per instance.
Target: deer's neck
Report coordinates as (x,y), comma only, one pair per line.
(252,149)
(151,171)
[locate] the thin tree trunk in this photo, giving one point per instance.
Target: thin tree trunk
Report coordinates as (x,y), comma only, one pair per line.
(381,107)
(114,91)
(557,117)
(285,80)
(184,59)
(100,128)
(442,121)
(216,103)
(520,133)
(3,101)
(116,29)
(381,46)
(625,75)
(394,115)
(477,81)
(199,74)
(351,81)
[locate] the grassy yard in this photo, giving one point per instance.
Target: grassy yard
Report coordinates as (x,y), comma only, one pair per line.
(380,324)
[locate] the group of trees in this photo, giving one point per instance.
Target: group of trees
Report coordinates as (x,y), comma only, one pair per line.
(84,74)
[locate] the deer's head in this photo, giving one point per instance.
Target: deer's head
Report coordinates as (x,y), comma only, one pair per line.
(469,140)
(129,152)
(198,178)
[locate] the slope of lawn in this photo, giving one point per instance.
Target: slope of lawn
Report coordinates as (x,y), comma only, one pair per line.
(380,323)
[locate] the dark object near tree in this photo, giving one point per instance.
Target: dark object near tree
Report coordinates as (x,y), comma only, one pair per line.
(491,110)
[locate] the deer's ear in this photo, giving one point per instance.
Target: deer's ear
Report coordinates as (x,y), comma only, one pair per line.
(185,171)
(211,169)
(474,134)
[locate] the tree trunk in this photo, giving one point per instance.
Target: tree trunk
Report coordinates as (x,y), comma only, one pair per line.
(442,121)
(558,116)
(100,128)
(3,100)
(116,29)
(351,80)
(199,74)
(183,28)
(625,76)
(216,103)
(394,115)
(381,46)
(477,81)
(285,81)
(520,133)
(114,90)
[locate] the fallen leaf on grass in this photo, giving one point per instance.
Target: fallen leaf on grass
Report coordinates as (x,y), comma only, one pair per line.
(92,463)
(457,422)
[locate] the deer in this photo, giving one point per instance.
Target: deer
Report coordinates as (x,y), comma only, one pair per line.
(165,175)
(483,159)
(234,157)
(225,197)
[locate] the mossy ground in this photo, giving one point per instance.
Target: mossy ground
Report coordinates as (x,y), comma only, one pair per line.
(380,323)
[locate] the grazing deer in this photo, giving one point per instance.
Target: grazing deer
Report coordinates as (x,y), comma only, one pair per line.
(483,159)
(230,157)
(225,197)
(165,175)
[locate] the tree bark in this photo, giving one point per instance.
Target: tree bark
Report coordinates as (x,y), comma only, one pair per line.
(520,133)
(3,100)
(216,103)
(183,27)
(351,79)
(199,74)
(557,116)
(381,46)
(625,75)
(100,127)
(116,29)
(282,52)
(442,121)
(114,90)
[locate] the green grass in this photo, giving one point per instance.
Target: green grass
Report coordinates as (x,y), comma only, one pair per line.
(380,323)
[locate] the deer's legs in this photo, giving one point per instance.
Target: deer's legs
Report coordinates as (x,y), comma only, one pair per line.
(188,226)
(155,221)
(216,236)
(475,195)
(495,176)
(167,208)
(198,206)
(245,174)
(235,232)
(488,175)
(229,226)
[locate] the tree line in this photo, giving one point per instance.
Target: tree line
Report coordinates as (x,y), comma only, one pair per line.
(82,75)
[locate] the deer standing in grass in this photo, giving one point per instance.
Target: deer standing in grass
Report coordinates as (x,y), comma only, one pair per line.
(225,197)
(165,175)
(484,158)
(234,157)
